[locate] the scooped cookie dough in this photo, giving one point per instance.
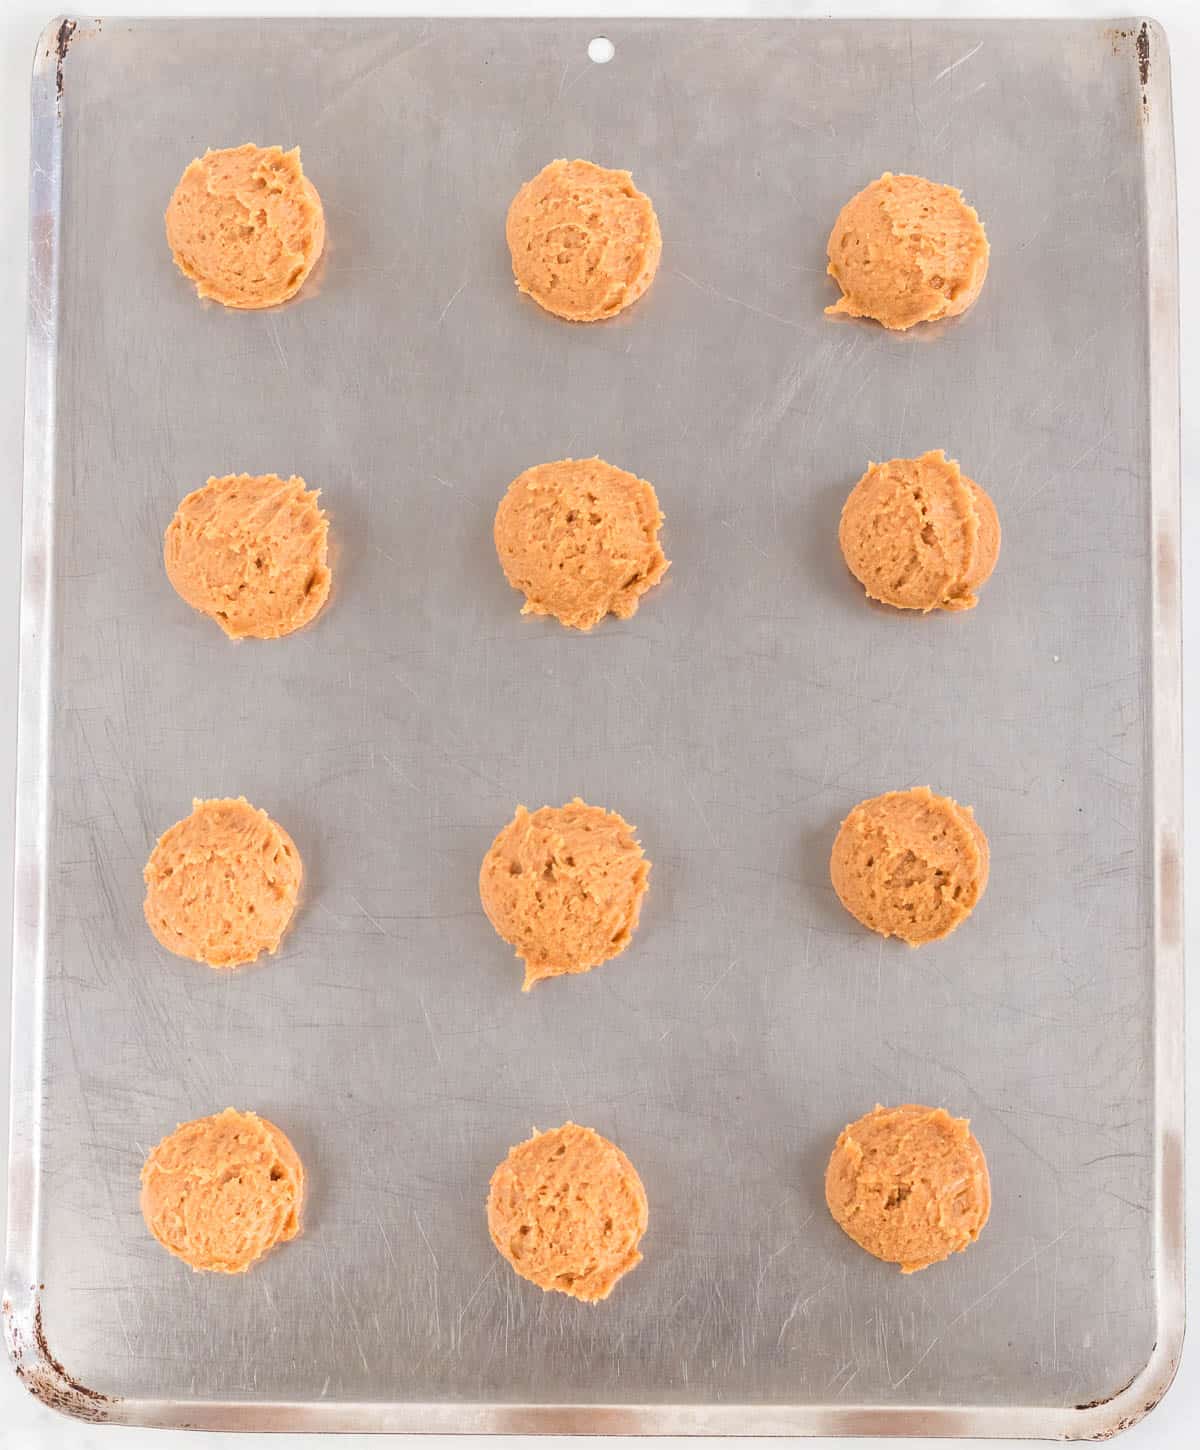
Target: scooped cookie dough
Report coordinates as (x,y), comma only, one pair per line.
(906,250)
(246,225)
(222,884)
(220,1192)
(568,1211)
(251,552)
(918,534)
(580,539)
(585,241)
(564,886)
(910,864)
(909,1185)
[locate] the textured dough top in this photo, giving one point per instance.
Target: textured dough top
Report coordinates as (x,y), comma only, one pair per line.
(910,864)
(906,250)
(918,534)
(246,225)
(252,553)
(580,539)
(221,1191)
(568,1210)
(584,240)
(564,886)
(222,884)
(909,1184)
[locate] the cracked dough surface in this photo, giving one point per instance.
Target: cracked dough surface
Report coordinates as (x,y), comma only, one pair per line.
(585,242)
(917,533)
(251,552)
(910,864)
(222,884)
(564,886)
(909,1185)
(220,1192)
(567,1210)
(905,250)
(246,225)
(579,538)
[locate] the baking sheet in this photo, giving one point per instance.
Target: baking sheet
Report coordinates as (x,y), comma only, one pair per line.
(749,704)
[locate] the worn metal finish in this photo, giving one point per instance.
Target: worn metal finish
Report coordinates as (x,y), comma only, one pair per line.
(754,698)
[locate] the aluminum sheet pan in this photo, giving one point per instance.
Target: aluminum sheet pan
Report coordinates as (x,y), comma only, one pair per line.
(751,702)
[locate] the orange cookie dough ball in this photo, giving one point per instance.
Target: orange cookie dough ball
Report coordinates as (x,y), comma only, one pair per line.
(246,225)
(910,864)
(584,240)
(918,534)
(580,539)
(564,886)
(252,553)
(222,884)
(909,1185)
(568,1211)
(220,1192)
(906,250)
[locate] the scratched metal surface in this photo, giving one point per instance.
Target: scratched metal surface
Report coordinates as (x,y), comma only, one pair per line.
(752,701)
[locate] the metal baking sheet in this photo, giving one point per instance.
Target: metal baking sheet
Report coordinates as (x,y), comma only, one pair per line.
(751,702)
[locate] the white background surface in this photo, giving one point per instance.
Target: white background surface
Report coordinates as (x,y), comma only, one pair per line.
(24,1423)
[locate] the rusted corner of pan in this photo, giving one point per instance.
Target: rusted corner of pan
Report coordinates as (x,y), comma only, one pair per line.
(40,1371)
(1141,40)
(63,32)
(1141,46)
(1126,1422)
(1113,1414)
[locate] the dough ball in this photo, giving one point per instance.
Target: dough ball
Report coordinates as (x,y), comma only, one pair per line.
(906,250)
(584,240)
(918,534)
(909,1185)
(221,1191)
(251,553)
(568,1211)
(222,884)
(246,225)
(580,539)
(910,864)
(564,886)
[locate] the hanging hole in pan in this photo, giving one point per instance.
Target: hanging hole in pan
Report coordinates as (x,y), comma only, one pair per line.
(601,50)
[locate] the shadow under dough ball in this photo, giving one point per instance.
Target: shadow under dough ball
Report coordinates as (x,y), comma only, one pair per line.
(917,533)
(585,242)
(567,1210)
(909,1184)
(905,250)
(910,864)
(222,884)
(246,225)
(220,1192)
(564,886)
